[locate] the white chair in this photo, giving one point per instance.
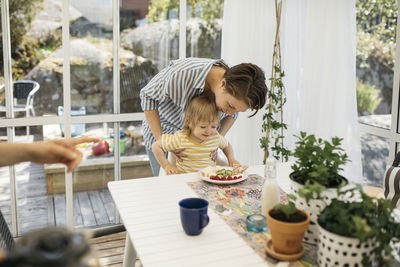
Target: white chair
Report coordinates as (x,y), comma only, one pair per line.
(23,92)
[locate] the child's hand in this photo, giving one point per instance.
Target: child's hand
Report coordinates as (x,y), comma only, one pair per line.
(214,155)
(171,169)
(233,162)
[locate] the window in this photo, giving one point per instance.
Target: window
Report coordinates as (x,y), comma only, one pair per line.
(89,84)
(375,71)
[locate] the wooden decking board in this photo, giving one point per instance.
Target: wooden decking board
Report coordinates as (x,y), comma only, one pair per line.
(60,210)
(37,209)
(86,208)
(111,244)
(111,237)
(109,250)
(111,260)
(98,208)
(108,204)
(78,220)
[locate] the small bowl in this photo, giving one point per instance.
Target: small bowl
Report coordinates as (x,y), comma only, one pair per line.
(256,223)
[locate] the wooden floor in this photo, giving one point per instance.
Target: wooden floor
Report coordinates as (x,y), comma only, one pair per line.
(37,209)
(109,250)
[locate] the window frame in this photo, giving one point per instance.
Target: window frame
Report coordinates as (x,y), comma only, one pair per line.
(116,117)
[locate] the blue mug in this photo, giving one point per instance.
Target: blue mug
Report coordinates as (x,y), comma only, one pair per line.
(193,215)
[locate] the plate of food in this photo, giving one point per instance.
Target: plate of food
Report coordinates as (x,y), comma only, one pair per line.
(224,174)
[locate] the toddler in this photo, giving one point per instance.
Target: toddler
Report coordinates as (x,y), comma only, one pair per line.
(198,138)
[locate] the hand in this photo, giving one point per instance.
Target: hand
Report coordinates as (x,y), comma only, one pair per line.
(171,169)
(233,163)
(178,154)
(214,155)
(60,151)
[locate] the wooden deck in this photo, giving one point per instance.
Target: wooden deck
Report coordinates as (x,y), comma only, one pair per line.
(109,250)
(37,209)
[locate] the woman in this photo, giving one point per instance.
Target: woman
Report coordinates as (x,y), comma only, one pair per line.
(166,96)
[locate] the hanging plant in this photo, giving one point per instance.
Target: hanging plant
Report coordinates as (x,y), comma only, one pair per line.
(273,125)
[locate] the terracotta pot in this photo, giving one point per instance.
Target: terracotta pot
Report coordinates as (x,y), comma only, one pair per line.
(287,237)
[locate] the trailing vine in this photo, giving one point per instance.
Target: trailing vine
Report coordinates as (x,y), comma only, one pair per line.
(273,125)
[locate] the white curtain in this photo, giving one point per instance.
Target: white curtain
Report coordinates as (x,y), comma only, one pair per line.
(245,39)
(318,50)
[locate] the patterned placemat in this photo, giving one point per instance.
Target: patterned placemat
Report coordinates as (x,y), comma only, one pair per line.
(234,202)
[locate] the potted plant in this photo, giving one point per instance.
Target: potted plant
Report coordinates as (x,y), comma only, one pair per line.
(318,161)
(356,229)
(273,125)
(287,226)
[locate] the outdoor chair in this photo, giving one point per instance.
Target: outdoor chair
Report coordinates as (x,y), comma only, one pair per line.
(23,92)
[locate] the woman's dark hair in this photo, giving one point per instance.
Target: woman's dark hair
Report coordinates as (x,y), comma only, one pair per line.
(247,81)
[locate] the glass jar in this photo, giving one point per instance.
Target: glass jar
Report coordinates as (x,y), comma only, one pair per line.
(270,192)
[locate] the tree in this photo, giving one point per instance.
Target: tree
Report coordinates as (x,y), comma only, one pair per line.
(208,10)
(378,18)
(22,12)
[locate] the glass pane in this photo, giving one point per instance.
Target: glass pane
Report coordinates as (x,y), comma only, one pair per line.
(93,205)
(5,195)
(35,203)
(204,29)
(375,153)
(376,40)
(149,40)
(91,56)
(36,57)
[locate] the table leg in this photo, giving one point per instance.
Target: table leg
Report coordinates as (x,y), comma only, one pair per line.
(129,253)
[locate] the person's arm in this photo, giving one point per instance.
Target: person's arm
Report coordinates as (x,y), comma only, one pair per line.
(54,151)
(162,159)
(153,119)
(228,151)
(226,123)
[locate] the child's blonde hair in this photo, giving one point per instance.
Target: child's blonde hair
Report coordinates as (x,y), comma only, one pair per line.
(201,108)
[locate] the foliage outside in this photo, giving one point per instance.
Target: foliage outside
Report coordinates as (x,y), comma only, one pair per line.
(355,214)
(376,29)
(367,97)
(378,18)
(208,10)
(273,125)
(318,160)
(22,12)
(376,41)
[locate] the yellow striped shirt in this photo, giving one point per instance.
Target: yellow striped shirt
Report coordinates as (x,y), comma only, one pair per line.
(196,156)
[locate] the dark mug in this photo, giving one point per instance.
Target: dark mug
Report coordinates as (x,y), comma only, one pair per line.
(193,215)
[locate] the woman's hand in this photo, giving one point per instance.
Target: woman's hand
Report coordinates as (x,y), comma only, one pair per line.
(171,169)
(178,154)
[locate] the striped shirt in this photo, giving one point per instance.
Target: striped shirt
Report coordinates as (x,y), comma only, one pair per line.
(171,90)
(196,156)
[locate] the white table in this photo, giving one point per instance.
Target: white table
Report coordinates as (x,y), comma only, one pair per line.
(149,209)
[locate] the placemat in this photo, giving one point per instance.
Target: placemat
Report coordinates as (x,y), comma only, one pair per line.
(234,202)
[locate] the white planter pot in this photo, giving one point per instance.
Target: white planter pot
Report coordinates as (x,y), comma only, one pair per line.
(313,208)
(337,250)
